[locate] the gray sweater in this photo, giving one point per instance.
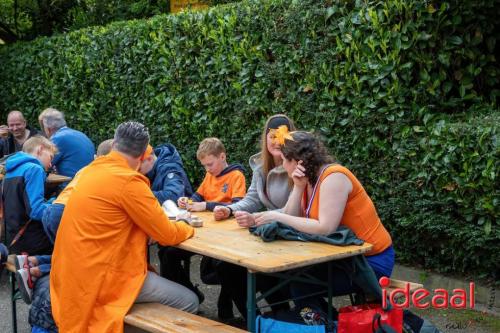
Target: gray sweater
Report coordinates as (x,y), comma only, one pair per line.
(271,193)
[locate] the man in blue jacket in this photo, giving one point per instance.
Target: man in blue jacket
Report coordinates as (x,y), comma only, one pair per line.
(23,196)
(75,150)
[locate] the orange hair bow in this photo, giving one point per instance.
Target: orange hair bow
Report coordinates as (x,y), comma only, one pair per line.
(281,134)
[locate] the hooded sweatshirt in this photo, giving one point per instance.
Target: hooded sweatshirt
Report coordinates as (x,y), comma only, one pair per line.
(227,187)
(23,199)
(269,192)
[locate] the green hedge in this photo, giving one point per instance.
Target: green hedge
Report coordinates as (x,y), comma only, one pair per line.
(405,93)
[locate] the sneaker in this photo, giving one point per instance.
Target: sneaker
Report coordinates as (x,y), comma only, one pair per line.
(24,282)
(21,261)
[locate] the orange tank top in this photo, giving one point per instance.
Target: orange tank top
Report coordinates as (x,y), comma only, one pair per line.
(359,215)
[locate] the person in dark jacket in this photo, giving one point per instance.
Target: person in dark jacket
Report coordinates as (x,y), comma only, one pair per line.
(23,196)
(13,136)
(168,179)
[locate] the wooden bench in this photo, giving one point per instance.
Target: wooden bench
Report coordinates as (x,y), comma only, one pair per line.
(400,284)
(158,318)
(10,265)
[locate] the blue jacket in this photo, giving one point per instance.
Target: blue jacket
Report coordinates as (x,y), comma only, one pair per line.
(168,178)
(23,199)
(75,150)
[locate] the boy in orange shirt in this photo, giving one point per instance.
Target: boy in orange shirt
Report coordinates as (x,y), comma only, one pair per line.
(223,184)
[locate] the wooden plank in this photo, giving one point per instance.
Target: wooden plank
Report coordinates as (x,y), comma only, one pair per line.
(10,264)
(52,178)
(177,6)
(158,318)
(400,284)
(226,241)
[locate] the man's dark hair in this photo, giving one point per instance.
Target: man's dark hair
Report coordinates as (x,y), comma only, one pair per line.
(131,138)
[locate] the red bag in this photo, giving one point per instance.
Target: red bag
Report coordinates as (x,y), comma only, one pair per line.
(364,318)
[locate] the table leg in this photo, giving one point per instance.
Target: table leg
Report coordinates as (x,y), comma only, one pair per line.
(251,302)
(330,291)
(13,298)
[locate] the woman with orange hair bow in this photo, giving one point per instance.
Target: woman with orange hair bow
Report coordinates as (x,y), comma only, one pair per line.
(326,195)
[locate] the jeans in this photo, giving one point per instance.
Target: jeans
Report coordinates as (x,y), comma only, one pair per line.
(160,290)
(51,219)
(44,264)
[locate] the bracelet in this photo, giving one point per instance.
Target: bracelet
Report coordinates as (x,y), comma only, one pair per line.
(230,210)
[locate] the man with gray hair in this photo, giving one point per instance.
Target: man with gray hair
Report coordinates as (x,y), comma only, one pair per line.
(75,150)
(15,133)
(99,266)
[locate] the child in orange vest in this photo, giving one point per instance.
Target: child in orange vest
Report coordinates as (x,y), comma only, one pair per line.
(223,185)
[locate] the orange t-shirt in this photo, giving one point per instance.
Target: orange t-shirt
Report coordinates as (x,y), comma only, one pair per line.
(223,188)
(359,215)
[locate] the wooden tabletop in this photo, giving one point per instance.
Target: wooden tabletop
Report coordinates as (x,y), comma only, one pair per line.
(52,178)
(226,241)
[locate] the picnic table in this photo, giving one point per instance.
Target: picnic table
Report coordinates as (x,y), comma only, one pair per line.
(226,241)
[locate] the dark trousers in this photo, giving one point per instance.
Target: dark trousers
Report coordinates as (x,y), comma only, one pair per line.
(234,277)
(341,284)
(171,268)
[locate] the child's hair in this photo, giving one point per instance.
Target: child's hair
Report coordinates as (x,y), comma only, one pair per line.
(210,146)
(310,149)
(104,147)
(36,141)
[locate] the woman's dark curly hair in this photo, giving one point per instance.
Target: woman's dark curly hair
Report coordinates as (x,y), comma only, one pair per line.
(310,149)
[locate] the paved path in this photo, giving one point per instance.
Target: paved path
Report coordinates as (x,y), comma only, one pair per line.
(447,321)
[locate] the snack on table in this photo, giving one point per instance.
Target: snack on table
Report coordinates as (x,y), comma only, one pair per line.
(196,222)
(192,220)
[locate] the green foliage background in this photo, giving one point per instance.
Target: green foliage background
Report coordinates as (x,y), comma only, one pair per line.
(405,94)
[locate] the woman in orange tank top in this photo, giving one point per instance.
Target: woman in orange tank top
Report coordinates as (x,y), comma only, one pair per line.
(325,195)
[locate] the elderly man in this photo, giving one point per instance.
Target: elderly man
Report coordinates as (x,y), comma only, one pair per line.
(99,266)
(13,136)
(75,150)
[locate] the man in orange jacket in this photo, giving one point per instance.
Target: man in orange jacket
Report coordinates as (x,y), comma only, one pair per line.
(99,266)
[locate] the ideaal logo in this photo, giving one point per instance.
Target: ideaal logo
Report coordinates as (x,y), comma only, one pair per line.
(440,298)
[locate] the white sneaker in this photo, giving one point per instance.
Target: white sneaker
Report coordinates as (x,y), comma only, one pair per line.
(20,261)
(22,278)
